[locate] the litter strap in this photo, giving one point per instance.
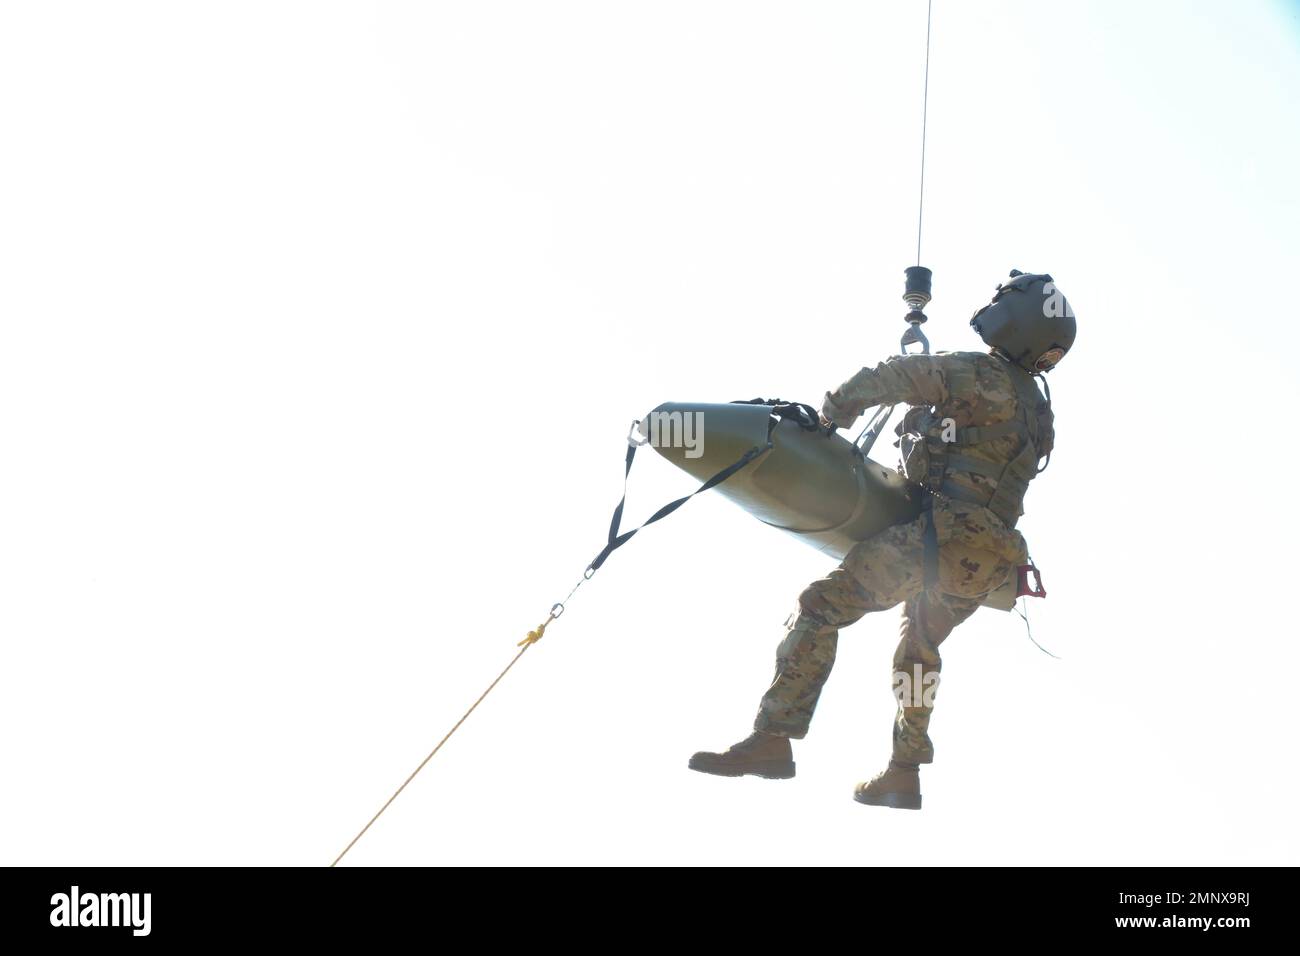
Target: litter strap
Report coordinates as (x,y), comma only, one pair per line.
(617,539)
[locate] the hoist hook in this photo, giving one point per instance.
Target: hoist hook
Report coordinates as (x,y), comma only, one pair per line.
(916,293)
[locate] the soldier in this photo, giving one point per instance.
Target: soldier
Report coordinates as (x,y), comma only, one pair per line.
(972,441)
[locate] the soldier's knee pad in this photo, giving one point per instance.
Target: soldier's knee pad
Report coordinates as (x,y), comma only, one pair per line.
(813,604)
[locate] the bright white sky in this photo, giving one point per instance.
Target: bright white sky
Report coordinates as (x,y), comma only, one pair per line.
(322,325)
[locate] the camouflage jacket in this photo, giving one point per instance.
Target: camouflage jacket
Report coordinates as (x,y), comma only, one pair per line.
(967,391)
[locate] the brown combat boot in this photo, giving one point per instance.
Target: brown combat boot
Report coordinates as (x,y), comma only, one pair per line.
(762,755)
(898,787)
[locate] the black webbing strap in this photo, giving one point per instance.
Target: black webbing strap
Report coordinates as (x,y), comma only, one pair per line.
(802,414)
(617,540)
(929,542)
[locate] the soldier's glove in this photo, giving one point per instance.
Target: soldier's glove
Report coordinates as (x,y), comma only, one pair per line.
(833,414)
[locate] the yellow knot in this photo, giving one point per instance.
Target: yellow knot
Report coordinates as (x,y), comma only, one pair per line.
(535,636)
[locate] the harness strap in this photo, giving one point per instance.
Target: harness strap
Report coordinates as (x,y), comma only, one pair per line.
(956,492)
(929,543)
(978,434)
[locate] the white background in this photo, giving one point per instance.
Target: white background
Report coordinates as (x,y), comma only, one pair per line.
(322,325)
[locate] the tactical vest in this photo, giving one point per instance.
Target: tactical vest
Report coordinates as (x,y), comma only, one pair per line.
(928,458)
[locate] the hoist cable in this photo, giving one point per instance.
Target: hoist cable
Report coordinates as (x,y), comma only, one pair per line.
(925,109)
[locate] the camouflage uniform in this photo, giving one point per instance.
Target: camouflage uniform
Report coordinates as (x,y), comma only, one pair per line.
(976,548)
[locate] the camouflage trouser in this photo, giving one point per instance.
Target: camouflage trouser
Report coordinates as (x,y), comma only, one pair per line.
(976,552)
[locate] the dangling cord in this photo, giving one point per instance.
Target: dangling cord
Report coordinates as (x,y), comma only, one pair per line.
(925,109)
(533,637)
(1029,633)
